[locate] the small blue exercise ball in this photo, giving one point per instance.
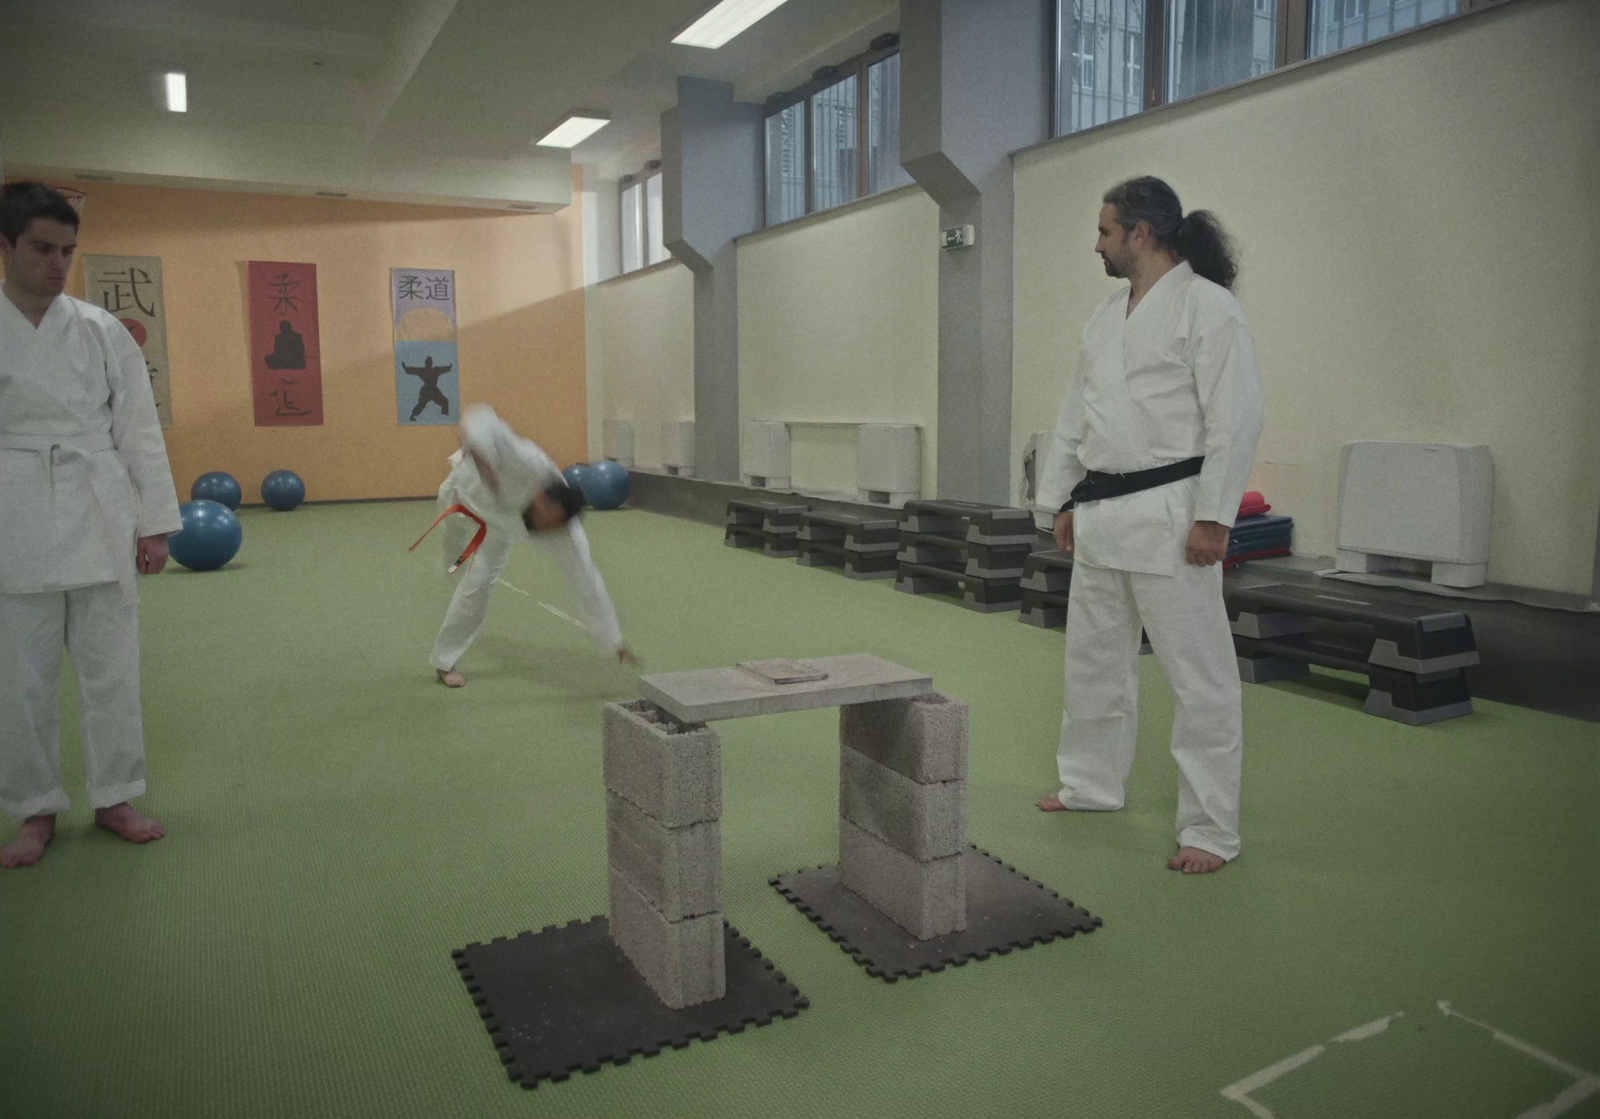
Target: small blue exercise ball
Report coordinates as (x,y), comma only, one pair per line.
(218,486)
(574,474)
(209,538)
(283,490)
(606,484)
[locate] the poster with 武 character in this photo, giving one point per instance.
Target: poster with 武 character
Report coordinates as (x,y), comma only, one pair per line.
(129,287)
(427,385)
(285,350)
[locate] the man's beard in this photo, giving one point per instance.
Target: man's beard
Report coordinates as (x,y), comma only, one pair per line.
(1111,269)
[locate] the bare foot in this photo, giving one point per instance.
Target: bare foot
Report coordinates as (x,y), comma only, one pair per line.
(1052,803)
(31,840)
(450,678)
(1192,860)
(124,821)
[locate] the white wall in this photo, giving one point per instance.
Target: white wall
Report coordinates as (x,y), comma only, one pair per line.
(838,322)
(1420,225)
(641,337)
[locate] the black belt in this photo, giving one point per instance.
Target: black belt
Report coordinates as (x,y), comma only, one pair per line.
(1097,486)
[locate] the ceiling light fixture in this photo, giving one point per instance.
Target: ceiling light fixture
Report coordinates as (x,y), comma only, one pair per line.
(177,88)
(576,127)
(724,22)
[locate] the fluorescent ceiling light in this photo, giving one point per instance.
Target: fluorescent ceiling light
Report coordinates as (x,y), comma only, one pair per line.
(725,21)
(574,129)
(177,86)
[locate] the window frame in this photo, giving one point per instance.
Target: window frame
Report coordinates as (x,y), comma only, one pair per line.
(1292,21)
(830,76)
(641,179)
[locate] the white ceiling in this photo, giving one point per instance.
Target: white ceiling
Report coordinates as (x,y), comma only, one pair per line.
(428,80)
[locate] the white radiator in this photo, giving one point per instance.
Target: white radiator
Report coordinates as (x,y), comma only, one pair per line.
(888,463)
(1425,502)
(618,441)
(764,454)
(677,447)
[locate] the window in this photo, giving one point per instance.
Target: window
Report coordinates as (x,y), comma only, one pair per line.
(1118,57)
(837,138)
(641,220)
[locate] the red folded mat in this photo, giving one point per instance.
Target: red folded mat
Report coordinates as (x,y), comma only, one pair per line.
(1253,505)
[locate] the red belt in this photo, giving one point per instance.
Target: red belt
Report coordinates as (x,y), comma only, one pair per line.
(477,537)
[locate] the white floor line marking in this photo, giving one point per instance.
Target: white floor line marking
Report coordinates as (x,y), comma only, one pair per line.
(1586,1083)
(562,614)
(1371,1029)
(514,587)
(1240,1092)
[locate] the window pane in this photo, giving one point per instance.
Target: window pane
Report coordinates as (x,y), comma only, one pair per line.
(883,126)
(1335,24)
(1218,42)
(657,252)
(833,144)
(633,227)
(786,164)
(1099,61)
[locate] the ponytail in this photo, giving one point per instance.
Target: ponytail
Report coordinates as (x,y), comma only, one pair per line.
(1196,237)
(1209,250)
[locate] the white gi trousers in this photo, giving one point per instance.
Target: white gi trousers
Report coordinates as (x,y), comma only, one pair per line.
(469,606)
(98,626)
(1186,620)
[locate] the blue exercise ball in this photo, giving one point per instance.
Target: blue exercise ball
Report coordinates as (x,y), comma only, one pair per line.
(209,538)
(606,484)
(283,490)
(218,486)
(575,473)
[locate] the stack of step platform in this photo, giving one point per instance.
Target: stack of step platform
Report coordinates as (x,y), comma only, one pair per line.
(977,551)
(1046,579)
(864,548)
(1414,658)
(768,525)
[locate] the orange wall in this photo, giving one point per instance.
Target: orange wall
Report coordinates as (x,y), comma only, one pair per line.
(519,305)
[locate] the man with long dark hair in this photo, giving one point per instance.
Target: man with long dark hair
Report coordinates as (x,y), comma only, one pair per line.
(1145,471)
(86,503)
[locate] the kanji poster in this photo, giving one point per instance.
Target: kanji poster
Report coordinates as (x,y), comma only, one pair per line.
(427,386)
(130,288)
(285,351)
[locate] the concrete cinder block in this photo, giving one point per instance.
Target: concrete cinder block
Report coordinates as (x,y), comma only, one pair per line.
(926,821)
(670,770)
(924,738)
(705,695)
(927,899)
(678,870)
(681,960)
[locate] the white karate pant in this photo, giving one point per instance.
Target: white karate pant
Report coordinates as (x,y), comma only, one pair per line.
(1189,633)
(98,627)
(469,606)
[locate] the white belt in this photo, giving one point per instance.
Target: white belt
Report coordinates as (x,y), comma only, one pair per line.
(49,444)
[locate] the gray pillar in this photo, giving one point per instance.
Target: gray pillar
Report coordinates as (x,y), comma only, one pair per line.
(974,87)
(711,149)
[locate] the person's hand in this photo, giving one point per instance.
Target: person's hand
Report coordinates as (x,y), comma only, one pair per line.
(625,656)
(150,554)
(1064,531)
(1207,543)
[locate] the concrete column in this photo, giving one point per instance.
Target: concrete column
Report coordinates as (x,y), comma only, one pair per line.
(711,156)
(974,87)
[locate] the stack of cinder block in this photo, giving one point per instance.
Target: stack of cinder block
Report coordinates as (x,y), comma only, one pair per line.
(664,850)
(767,525)
(1046,581)
(902,809)
(865,549)
(968,548)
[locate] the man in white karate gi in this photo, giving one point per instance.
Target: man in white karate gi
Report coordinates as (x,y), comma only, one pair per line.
(86,502)
(508,489)
(1145,472)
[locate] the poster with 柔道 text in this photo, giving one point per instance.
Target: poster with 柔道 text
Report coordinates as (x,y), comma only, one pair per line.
(427,386)
(285,351)
(129,287)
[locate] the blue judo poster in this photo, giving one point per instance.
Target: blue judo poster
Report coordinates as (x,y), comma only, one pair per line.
(427,378)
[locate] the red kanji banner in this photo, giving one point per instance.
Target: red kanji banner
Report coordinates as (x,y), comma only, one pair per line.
(285,352)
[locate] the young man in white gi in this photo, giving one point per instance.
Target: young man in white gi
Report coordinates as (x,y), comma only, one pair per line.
(1145,472)
(510,490)
(86,503)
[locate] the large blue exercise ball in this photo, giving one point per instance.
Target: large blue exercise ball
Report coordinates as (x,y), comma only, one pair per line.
(209,538)
(283,490)
(218,486)
(575,473)
(606,484)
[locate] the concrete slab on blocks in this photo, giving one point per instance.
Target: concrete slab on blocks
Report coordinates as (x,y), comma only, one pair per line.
(678,870)
(671,771)
(925,821)
(682,961)
(706,695)
(926,899)
(924,738)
